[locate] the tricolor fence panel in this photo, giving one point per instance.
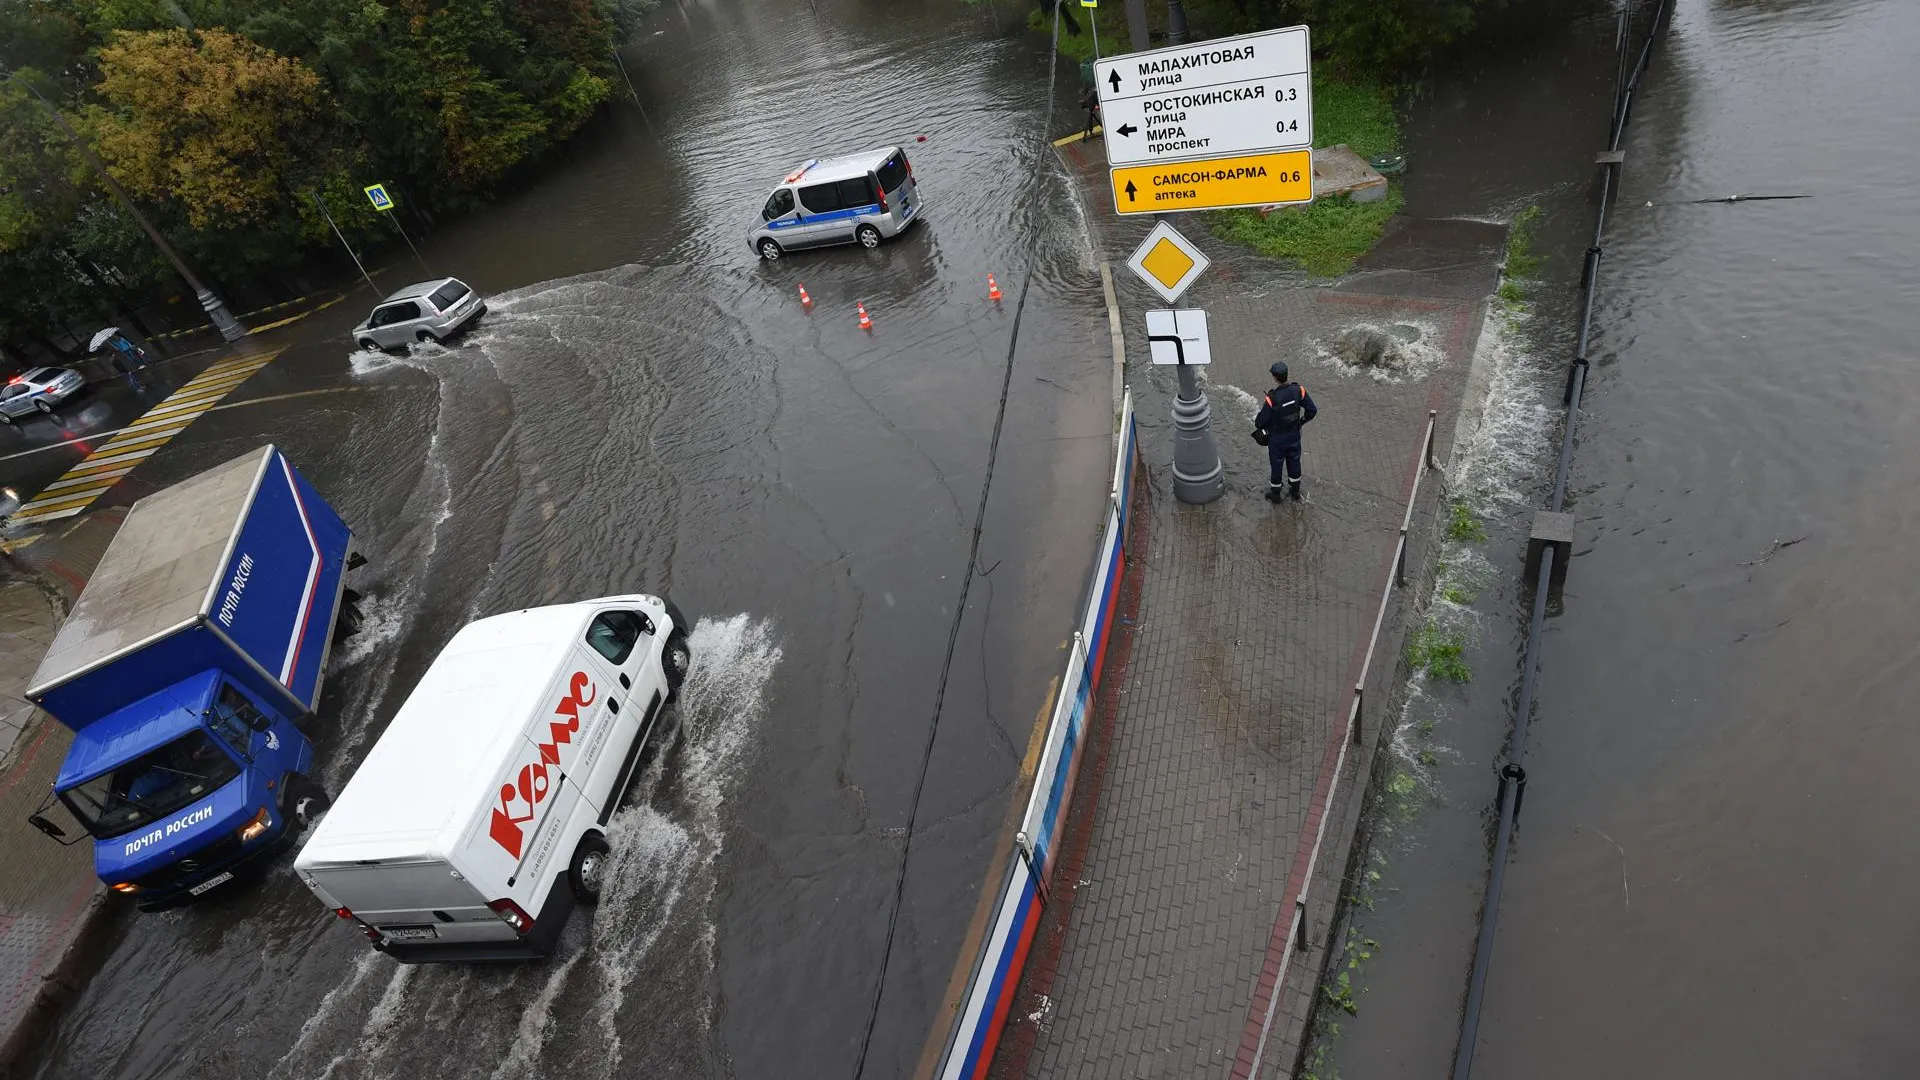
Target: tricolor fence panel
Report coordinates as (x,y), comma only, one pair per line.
(1003,952)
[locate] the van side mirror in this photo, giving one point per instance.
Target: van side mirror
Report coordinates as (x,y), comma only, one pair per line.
(40,822)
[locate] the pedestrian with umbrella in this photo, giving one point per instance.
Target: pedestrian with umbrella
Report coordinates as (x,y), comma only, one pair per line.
(126,355)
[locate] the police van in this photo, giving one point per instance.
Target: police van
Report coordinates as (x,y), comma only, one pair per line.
(861,198)
(478,820)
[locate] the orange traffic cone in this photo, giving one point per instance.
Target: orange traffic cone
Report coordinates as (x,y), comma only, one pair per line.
(866,321)
(805,300)
(993,289)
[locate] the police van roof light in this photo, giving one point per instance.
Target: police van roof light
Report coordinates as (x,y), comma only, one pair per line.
(801,171)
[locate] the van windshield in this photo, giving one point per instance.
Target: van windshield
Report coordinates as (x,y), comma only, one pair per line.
(152,785)
(893,173)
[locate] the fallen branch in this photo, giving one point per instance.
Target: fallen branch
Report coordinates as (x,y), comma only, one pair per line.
(1778,546)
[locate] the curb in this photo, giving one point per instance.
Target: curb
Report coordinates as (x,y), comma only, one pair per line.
(61,982)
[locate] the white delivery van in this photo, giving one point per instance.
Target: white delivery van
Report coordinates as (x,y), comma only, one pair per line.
(478,819)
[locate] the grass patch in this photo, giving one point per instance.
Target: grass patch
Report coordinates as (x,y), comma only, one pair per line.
(1111,20)
(1441,654)
(1328,235)
(1516,277)
(1463,524)
(1455,593)
(1324,238)
(1521,261)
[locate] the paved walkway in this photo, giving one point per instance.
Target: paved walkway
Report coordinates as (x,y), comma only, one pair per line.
(1175,892)
(49,897)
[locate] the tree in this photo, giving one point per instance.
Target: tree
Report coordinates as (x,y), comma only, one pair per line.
(226,128)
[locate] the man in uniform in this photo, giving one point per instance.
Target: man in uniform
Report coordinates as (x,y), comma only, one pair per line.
(1283,412)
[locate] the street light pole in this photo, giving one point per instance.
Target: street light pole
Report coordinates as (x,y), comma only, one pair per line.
(1198,476)
(216,308)
(1176,23)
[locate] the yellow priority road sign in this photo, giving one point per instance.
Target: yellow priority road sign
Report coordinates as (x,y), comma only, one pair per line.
(1276,179)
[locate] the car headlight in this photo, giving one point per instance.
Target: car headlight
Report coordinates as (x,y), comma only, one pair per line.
(260,823)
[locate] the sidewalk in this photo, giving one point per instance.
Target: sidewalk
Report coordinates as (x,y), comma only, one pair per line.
(1211,767)
(50,900)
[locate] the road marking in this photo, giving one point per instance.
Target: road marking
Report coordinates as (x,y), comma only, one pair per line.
(105,466)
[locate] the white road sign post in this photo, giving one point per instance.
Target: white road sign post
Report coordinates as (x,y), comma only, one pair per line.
(1188,326)
(1227,122)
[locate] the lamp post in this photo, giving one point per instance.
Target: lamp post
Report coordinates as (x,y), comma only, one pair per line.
(1176,23)
(216,308)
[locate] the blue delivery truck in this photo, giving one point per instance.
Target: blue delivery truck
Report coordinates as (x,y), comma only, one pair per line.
(195,648)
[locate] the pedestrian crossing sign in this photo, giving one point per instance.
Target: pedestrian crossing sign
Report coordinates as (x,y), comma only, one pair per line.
(377,195)
(1090,3)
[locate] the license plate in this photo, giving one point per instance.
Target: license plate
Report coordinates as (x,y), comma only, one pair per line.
(217,879)
(409,933)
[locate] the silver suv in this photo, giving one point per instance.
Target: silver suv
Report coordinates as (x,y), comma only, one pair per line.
(428,311)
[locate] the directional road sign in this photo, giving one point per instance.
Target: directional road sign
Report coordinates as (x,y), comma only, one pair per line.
(1168,262)
(1186,325)
(1241,106)
(377,195)
(1226,96)
(1214,183)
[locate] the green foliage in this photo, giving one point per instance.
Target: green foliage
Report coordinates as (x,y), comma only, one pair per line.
(1521,261)
(1327,236)
(1462,523)
(223,117)
(1359,114)
(1439,653)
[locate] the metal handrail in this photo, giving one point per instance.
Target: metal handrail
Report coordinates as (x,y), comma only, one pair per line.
(1513,775)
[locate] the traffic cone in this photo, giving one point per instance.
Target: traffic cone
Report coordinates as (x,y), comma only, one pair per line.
(866,321)
(993,289)
(805,300)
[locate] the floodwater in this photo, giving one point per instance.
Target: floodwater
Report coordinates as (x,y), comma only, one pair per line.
(1712,874)
(647,406)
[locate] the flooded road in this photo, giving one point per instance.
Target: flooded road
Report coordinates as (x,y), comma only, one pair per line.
(646,405)
(1711,876)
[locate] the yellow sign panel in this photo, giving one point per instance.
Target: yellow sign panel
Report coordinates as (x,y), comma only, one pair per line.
(1215,184)
(1167,263)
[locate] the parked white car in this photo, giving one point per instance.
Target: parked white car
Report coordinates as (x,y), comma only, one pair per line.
(39,390)
(478,820)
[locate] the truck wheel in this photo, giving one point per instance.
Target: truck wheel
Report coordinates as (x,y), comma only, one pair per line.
(306,802)
(677,661)
(588,871)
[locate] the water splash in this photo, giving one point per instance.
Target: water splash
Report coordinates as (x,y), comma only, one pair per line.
(1406,351)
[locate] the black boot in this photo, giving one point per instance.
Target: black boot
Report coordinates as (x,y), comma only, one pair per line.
(1273,493)
(1293,490)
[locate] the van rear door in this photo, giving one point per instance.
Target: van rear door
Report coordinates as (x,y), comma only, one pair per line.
(416,901)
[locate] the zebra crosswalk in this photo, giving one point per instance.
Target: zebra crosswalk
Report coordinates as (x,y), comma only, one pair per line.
(78,487)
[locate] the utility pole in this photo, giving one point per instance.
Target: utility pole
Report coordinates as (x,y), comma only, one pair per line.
(1137,25)
(216,308)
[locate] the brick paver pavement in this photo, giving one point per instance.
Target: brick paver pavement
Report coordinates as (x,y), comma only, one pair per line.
(1251,626)
(49,896)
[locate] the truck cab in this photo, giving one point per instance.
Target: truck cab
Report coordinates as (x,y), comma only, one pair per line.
(197,644)
(185,787)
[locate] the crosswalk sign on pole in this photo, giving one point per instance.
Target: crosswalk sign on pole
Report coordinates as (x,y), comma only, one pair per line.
(377,195)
